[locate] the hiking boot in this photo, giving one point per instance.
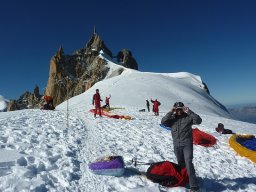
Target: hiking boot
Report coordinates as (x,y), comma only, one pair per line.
(194,189)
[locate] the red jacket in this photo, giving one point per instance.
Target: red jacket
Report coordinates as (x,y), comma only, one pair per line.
(96,100)
(107,100)
(155,105)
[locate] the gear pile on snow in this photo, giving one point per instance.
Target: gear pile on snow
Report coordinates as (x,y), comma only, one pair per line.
(202,138)
(167,174)
(109,165)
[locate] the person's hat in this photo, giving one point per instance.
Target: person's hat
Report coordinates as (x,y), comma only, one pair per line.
(97,89)
(178,105)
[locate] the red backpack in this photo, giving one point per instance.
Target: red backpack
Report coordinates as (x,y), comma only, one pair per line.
(167,174)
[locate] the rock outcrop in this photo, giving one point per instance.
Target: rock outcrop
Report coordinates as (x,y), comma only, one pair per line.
(71,75)
(27,101)
(126,59)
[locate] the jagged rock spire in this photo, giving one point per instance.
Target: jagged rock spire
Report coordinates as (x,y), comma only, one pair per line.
(96,44)
(85,68)
(59,53)
(60,50)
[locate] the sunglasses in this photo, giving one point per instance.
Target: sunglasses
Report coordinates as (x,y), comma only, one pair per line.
(179,109)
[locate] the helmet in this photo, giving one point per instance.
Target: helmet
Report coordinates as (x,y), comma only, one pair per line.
(178,105)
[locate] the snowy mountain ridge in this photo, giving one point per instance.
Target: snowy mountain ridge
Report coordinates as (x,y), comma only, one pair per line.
(168,88)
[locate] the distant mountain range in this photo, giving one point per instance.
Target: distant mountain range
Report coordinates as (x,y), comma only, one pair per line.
(244,113)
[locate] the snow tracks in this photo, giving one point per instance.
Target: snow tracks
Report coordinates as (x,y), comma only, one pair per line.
(43,152)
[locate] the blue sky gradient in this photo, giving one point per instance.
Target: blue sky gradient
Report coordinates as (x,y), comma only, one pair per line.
(214,39)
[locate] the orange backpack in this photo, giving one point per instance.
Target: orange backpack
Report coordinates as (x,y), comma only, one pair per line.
(47,98)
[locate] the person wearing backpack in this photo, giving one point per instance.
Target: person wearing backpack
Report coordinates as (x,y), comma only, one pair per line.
(181,119)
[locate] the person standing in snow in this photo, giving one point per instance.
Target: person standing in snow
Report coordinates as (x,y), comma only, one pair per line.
(96,101)
(181,119)
(107,102)
(148,105)
(155,107)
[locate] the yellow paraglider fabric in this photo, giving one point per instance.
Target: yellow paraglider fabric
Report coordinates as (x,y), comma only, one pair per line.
(241,150)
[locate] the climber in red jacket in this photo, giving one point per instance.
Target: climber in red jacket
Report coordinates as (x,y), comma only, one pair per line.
(96,101)
(155,106)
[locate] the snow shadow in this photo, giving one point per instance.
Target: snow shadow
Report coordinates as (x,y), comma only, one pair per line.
(226,183)
(131,171)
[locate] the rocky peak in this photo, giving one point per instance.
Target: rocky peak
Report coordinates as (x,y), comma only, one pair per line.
(58,56)
(70,75)
(95,45)
(27,100)
(125,58)
(36,92)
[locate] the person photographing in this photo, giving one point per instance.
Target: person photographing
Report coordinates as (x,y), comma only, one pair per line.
(181,119)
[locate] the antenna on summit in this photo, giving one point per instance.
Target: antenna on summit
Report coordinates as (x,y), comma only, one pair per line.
(94,30)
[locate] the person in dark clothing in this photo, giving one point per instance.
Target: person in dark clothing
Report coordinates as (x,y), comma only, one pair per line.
(96,101)
(181,119)
(148,105)
(222,130)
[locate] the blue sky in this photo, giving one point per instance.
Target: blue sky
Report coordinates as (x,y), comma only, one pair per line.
(214,39)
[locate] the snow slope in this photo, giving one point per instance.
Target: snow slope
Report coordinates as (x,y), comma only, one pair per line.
(132,88)
(3,103)
(45,151)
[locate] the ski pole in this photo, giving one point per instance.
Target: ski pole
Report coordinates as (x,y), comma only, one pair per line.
(135,160)
(139,162)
